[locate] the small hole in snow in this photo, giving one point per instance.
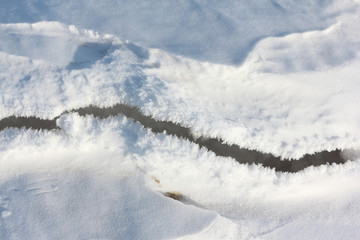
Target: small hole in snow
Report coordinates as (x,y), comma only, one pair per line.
(175,195)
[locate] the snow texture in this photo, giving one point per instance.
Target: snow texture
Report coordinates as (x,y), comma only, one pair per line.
(277,76)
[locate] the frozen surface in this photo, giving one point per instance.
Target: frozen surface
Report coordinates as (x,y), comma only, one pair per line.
(276,76)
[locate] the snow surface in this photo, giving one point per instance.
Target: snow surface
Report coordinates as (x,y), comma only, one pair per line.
(277,76)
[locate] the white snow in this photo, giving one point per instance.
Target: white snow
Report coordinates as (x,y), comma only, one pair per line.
(277,76)
(102,166)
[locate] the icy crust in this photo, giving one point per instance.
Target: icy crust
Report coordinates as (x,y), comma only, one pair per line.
(109,174)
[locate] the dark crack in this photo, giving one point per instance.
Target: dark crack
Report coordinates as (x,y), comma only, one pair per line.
(28,122)
(241,155)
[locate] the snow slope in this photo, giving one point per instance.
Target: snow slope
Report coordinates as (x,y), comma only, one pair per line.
(276,76)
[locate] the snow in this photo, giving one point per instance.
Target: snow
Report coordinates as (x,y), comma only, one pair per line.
(205,30)
(58,211)
(276,76)
(106,168)
(316,74)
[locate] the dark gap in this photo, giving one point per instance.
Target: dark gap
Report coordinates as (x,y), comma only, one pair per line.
(241,155)
(175,195)
(28,122)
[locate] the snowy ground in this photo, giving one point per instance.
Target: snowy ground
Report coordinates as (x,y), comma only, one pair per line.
(280,77)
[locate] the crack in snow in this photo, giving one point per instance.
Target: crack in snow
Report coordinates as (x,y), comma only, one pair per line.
(218,146)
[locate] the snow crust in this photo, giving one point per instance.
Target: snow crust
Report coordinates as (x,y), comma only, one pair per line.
(277,76)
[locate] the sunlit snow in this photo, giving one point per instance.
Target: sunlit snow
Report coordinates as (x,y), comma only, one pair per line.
(279,77)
